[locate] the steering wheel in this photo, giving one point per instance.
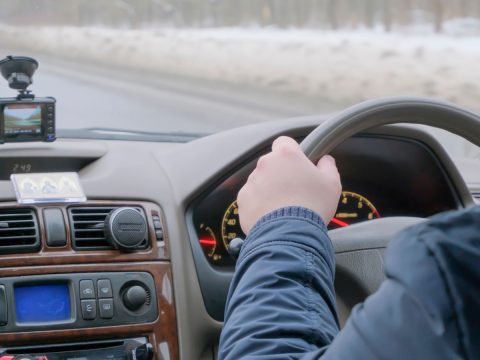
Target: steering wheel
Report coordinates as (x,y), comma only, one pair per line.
(360,248)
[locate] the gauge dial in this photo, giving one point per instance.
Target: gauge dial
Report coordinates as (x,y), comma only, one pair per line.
(231,225)
(208,241)
(353,208)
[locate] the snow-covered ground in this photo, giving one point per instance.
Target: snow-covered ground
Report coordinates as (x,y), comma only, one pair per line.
(342,67)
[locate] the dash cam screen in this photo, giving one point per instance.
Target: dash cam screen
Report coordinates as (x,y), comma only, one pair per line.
(22,119)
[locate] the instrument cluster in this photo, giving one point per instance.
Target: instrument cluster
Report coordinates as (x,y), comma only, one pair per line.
(381,177)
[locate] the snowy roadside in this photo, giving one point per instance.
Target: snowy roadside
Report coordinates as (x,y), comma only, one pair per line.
(340,68)
(343,67)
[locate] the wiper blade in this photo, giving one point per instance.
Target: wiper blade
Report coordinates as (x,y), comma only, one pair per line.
(124,134)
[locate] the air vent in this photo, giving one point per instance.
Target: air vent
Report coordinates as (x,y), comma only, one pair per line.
(18,231)
(87,226)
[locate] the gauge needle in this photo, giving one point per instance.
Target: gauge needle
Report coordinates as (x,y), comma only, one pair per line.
(207,242)
(339,222)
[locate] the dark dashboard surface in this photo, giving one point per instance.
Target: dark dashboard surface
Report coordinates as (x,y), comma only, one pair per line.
(382,176)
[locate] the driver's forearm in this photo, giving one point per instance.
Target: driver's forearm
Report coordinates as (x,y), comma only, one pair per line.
(281,302)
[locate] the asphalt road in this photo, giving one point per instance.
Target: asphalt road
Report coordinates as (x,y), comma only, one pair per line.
(91,96)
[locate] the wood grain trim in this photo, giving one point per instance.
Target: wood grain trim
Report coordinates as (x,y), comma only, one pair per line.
(67,255)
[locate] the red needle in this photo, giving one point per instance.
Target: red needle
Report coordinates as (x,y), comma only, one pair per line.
(339,222)
(207,242)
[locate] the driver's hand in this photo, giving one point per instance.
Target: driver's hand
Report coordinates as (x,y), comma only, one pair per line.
(286,177)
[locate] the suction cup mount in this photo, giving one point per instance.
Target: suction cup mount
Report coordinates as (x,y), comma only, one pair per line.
(18,71)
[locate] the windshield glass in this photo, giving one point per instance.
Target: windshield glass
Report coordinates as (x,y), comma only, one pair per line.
(197,67)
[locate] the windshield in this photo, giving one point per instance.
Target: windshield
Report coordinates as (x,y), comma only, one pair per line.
(198,67)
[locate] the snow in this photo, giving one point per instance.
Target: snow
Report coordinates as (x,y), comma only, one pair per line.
(344,67)
(341,67)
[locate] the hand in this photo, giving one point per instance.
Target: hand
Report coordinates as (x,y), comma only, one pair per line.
(286,177)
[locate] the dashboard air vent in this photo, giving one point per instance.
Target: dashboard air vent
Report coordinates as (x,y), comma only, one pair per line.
(87,227)
(18,231)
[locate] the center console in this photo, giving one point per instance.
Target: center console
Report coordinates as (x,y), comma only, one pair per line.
(85,281)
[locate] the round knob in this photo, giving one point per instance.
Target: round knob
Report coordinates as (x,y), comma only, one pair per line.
(234,247)
(135,297)
(126,228)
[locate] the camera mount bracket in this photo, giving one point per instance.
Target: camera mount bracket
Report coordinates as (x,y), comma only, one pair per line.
(18,71)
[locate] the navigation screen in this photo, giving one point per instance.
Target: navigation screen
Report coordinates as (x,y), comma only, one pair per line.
(42,303)
(22,119)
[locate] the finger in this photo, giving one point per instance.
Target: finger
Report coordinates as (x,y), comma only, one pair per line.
(327,162)
(328,165)
(263,160)
(252,175)
(242,193)
(285,144)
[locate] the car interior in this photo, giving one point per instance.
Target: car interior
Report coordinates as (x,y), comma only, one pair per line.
(119,247)
(162,294)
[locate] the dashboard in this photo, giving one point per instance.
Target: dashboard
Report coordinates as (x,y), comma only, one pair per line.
(382,176)
(186,193)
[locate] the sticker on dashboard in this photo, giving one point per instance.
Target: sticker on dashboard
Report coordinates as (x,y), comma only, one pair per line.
(48,188)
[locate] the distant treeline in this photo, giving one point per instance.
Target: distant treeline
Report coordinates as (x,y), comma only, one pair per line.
(316,14)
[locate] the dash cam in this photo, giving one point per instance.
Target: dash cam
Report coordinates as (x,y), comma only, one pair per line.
(24,118)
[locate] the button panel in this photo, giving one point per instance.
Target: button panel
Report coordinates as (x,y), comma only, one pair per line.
(157,224)
(50,129)
(96,299)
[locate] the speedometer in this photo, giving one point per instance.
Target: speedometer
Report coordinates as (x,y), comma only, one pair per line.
(353,208)
(231,225)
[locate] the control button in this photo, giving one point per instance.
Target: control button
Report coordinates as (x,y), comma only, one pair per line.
(3,306)
(157,224)
(55,227)
(135,297)
(106,308)
(104,288)
(159,235)
(89,309)
(50,107)
(50,116)
(86,289)
(50,122)
(50,129)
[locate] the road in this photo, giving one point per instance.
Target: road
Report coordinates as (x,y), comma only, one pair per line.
(91,96)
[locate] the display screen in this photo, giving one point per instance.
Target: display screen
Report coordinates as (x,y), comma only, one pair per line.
(42,303)
(22,119)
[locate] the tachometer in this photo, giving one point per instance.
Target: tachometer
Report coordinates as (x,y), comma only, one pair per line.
(231,225)
(353,208)
(208,241)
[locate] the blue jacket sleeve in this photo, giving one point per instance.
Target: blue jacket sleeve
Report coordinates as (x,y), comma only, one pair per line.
(427,308)
(281,302)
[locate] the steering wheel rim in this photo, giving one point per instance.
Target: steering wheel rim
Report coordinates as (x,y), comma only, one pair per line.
(360,248)
(387,111)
